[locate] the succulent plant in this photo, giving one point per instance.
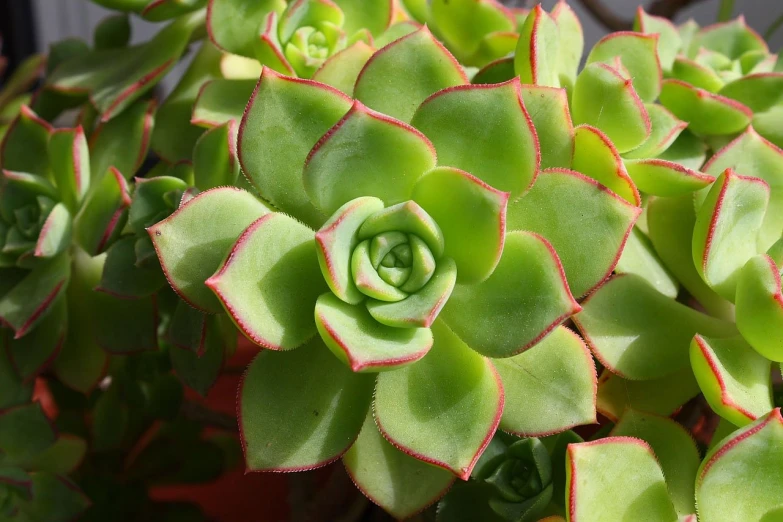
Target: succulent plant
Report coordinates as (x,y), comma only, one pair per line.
(452,245)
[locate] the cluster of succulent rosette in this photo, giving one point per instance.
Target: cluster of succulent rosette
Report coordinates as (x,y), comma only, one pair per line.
(456,250)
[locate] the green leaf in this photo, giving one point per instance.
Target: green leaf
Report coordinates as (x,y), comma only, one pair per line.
(725,233)
(138,316)
(732,39)
(669,40)
(102,216)
(199,369)
(751,155)
(696,74)
(336,241)
(15,391)
(484,130)
(760,306)
(363,343)
(342,69)
(638,487)
(192,242)
(187,328)
(640,334)
(375,15)
(768,125)
(390,154)
(233,24)
(22,78)
(400,76)
(122,142)
(62,457)
(368,279)
(115,78)
(494,317)
(268,50)
(55,235)
(153,198)
(705,112)
(70,165)
(733,378)
(548,108)
(300,410)
(538,51)
(673,446)
(472,219)
(269,282)
(272,159)
(110,421)
(16,481)
(661,396)
(687,150)
(670,222)
(603,98)
(595,156)
(463,24)
(751,457)
(409,218)
(549,388)
(659,177)
(759,92)
(24,432)
(32,298)
(498,71)
(639,258)
(665,130)
(421,308)
(445,408)
(81,362)
(604,221)
(215,160)
(638,53)
(571,42)
(160,10)
(34,352)
(55,499)
(25,145)
(174,136)
(399,483)
(220,101)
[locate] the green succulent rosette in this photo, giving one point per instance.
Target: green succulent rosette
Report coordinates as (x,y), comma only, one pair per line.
(513,481)
(395,252)
(720,78)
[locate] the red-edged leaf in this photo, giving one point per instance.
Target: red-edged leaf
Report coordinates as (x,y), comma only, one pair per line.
(400,76)
(445,408)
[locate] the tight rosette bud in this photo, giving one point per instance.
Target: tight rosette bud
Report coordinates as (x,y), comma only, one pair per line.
(388,261)
(512,482)
(25,203)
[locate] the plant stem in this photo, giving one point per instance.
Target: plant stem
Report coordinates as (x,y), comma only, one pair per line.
(773,27)
(725,10)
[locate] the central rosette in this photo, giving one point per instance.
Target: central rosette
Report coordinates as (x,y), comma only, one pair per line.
(392,260)
(388,275)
